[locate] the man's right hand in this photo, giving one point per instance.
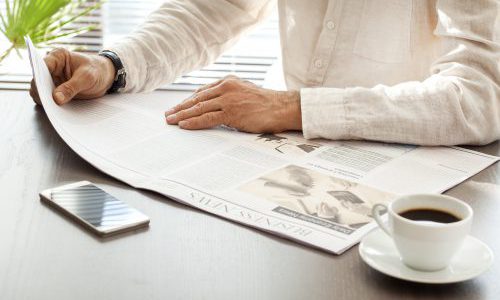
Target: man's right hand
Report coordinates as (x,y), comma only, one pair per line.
(77,76)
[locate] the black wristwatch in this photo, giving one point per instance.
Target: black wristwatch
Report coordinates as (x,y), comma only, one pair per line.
(120,74)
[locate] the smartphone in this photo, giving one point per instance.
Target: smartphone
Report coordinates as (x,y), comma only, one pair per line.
(94,209)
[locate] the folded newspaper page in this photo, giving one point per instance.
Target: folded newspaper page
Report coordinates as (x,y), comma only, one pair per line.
(316,192)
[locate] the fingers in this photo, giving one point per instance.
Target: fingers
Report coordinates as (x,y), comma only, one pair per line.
(70,82)
(34,93)
(204,108)
(194,99)
(196,110)
(204,121)
(204,93)
(208,86)
(55,61)
(80,81)
(58,62)
(216,83)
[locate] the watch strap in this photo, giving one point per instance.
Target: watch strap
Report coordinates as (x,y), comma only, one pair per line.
(120,74)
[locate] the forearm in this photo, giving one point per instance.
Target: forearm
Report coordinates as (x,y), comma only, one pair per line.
(182,36)
(436,112)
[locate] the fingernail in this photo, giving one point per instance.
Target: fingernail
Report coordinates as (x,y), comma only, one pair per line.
(182,124)
(59,97)
(171,118)
(170,111)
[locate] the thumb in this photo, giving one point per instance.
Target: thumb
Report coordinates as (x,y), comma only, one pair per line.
(68,90)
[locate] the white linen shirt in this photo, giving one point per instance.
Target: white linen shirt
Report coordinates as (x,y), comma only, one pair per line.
(410,71)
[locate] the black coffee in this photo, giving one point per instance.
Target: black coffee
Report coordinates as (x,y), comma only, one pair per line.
(428,214)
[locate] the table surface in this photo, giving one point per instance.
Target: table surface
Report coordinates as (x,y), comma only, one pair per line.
(186,253)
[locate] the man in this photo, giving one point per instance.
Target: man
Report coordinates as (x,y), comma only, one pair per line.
(419,72)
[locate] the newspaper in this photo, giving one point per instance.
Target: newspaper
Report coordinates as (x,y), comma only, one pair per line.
(316,192)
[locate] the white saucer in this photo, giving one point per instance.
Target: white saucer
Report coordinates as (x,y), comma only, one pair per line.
(380,253)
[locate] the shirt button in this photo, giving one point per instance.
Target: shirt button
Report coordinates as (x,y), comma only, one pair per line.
(330,25)
(318,63)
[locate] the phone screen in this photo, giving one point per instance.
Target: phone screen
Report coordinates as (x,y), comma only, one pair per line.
(97,208)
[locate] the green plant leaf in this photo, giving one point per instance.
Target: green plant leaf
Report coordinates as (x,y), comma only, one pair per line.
(45,21)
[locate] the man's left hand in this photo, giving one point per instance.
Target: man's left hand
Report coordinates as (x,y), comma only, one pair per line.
(238,104)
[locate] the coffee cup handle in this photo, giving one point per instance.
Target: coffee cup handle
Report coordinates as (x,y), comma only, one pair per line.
(376,215)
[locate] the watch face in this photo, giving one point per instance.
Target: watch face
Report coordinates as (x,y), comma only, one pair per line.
(120,79)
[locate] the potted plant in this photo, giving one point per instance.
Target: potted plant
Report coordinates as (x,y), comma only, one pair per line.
(44,21)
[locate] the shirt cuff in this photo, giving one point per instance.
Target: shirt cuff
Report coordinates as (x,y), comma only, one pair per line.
(324,113)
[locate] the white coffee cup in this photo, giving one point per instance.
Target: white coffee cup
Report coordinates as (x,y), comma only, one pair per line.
(426,245)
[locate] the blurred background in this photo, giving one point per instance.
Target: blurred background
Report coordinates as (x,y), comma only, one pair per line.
(251,58)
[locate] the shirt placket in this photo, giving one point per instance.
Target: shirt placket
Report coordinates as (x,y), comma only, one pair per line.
(322,55)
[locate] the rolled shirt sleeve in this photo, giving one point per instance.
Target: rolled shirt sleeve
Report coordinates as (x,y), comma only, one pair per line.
(181,36)
(459,103)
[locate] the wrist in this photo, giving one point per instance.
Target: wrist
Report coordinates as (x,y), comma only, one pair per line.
(108,70)
(292,113)
(119,73)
